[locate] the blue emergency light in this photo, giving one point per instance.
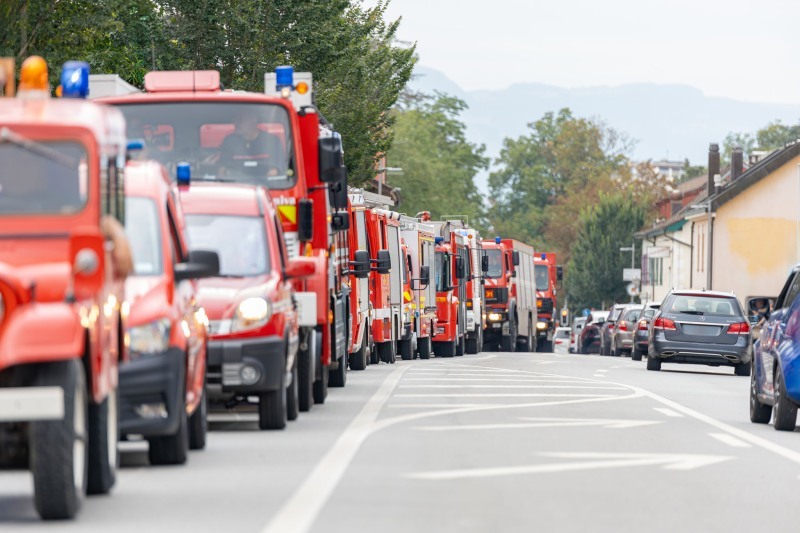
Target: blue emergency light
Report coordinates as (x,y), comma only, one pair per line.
(284,77)
(438,240)
(184,173)
(497,240)
(544,256)
(135,145)
(75,79)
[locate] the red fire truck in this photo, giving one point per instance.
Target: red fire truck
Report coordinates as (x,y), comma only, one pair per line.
(548,277)
(475,301)
(451,273)
(359,273)
(278,140)
(419,294)
(510,296)
(61,290)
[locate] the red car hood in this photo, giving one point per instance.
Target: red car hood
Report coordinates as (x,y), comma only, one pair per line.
(220,296)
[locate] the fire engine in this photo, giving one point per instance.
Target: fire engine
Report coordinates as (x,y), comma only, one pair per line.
(510,295)
(278,140)
(548,277)
(419,294)
(452,269)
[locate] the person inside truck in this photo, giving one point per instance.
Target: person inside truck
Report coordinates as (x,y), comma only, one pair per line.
(251,150)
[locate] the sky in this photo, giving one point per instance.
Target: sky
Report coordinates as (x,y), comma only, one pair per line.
(745,50)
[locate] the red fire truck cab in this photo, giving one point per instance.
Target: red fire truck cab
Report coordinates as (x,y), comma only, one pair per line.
(450,273)
(419,291)
(548,277)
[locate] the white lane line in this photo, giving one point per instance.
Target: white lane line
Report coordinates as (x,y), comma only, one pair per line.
(508,395)
(300,512)
(601,370)
(434,405)
(546,423)
(431,386)
(667,412)
(599,375)
(493,379)
(730,440)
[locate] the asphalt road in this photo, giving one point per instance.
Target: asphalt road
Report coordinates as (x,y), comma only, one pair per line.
(500,442)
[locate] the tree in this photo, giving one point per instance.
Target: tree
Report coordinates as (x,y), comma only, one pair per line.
(595,270)
(776,134)
(692,171)
(439,164)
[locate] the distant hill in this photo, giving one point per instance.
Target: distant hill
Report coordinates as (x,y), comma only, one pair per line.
(665,120)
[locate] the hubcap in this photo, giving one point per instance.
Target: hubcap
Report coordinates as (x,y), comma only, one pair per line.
(79,444)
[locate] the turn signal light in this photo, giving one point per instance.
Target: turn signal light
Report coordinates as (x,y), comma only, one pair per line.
(33,75)
(301,87)
(664,323)
(742,328)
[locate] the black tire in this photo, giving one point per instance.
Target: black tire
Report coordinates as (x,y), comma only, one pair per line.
(198,424)
(424,348)
(103,436)
(305,385)
(742,369)
(321,386)
(445,349)
(636,354)
(404,349)
(471,346)
(460,346)
(784,410)
(374,355)
(272,408)
(507,343)
(292,394)
(171,449)
(59,480)
(386,351)
(653,363)
(759,412)
(358,360)
(338,377)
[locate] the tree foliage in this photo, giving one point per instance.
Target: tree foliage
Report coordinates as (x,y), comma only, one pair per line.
(358,70)
(774,135)
(439,164)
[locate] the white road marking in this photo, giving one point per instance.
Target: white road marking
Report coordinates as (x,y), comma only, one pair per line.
(434,405)
(233,417)
(300,512)
(493,379)
(598,375)
(667,412)
(601,387)
(602,460)
(547,423)
(730,440)
(506,395)
(601,370)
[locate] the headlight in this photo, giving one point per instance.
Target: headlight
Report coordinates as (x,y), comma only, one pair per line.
(251,313)
(495,317)
(541,325)
(152,338)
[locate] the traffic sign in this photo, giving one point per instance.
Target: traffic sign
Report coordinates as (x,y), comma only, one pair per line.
(631,274)
(632,289)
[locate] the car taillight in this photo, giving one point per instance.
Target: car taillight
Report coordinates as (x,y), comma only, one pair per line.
(642,326)
(623,326)
(742,328)
(664,323)
(610,327)
(572,338)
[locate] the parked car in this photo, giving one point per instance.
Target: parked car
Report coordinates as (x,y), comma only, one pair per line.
(607,329)
(162,386)
(622,332)
(589,341)
(574,339)
(700,327)
(561,340)
(642,334)
(775,381)
(254,323)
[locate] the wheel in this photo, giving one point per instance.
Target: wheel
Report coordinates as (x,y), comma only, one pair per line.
(358,360)
(742,369)
(58,451)
(272,408)
(460,346)
(171,449)
(404,349)
(471,345)
(338,377)
(525,344)
(636,354)
(653,363)
(759,413)
(374,355)
(386,352)
(321,386)
(424,348)
(506,343)
(198,424)
(292,395)
(444,349)
(305,384)
(784,410)
(103,435)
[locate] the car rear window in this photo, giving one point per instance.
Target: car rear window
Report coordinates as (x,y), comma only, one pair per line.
(702,305)
(632,315)
(562,334)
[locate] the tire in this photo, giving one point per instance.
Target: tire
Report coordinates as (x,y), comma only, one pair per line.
(374,356)
(292,394)
(272,408)
(198,424)
(653,363)
(636,354)
(386,352)
(784,410)
(358,360)
(424,348)
(759,413)
(615,352)
(171,449)
(58,451)
(405,351)
(506,343)
(321,386)
(103,436)
(305,384)
(742,369)
(338,377)
(444,349)
(460,346)
(471,346)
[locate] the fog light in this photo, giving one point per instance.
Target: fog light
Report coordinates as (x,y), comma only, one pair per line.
(541,325)
(249,374)
(151,411)
(495,317)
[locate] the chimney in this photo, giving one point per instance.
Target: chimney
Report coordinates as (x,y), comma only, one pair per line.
(713,166)
(737,163)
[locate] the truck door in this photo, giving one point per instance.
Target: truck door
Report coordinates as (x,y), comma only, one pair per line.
(363,244)
(396,274)
(462,291)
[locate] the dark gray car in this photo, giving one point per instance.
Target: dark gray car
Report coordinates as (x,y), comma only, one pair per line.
(700,327)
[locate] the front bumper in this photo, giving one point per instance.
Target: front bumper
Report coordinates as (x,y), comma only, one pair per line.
(228,359)
(701,354)
(151,393)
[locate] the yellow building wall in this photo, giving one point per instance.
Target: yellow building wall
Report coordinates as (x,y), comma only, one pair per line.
(756,235)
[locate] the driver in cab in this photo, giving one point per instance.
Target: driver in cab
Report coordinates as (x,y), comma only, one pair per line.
(251,150)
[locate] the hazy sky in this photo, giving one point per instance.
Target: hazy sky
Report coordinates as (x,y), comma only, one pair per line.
(742,49)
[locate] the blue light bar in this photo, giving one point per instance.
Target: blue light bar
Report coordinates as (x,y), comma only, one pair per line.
(284,77)
(544,256)
(497,240)
(75,79)
(184,173)
(135,145)
(438,240)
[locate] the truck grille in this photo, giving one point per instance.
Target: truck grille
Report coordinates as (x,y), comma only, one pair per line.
(497,295)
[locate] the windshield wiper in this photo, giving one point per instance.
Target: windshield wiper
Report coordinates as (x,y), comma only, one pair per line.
(6,135)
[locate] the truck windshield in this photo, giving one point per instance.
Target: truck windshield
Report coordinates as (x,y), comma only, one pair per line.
(42,177)
(226,141)
(495,263)
(142,228)
(442,271)
(242,256)
(542,275)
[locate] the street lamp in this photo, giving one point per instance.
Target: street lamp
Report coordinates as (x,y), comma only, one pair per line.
(632,250)
(383,171)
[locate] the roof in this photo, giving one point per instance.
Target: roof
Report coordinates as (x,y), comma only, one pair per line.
(700,292)
(221,199)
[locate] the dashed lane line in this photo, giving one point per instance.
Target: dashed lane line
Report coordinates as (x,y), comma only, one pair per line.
(667,412)
(730,440)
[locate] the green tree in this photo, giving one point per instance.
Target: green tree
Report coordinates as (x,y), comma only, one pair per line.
(692,171)
(439,164)
(595,270)
(776,134)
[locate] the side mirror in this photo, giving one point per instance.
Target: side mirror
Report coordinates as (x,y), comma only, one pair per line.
(425,274)
(461,272)
(305,220)
(753,320)
(199,264)
(383,264)
(338,192)
(485,263)
(300,267)
(559,273)
(331,163)
(340,222)
(359,267)
(87,251)
(515,257)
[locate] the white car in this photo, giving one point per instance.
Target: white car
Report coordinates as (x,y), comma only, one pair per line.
(561,340)
(577,326)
